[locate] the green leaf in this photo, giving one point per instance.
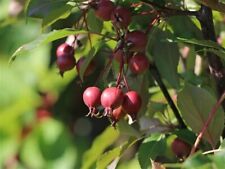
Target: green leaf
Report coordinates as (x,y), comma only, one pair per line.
(108,137)
(186,135)
(181,23)
(204,43)
(114,154)
(150,150)
(197,161)
(127,129)
(89,58)
(59,13)
(43,8)
(195,104)
(111,155)
(165,55)
(94,24)
(219,158)
(44,39)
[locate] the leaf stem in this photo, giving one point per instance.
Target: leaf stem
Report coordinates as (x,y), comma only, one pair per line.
(210,117)
(155,73)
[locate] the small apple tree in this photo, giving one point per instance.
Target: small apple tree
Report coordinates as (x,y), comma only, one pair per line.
(162,85)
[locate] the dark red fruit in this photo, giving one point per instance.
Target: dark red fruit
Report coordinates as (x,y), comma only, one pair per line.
(111,98)
(65,58)
(89,70)
(104,9)
(136,41)
(180,148)
(91,98)
(117,114)
(138,63)
(65,50)
(121,17)
(65,63)
(132,103)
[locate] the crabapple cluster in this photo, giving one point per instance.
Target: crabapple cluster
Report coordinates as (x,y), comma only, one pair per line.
(114,101)
(132,44)
(66,60)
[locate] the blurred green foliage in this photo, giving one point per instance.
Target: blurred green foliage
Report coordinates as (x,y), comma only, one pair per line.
(42,123)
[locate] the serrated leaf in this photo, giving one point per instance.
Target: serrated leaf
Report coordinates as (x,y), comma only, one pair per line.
(44,39)
(195,104)
(165,55)
(103,141)
(149,151)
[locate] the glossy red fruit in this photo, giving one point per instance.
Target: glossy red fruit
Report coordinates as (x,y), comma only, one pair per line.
(91,98)
(104,9)
(111,98)
(121,17)
(138,63)
(65,63)
(90,69)
(132,103)
(117,114)
(65,50)
(136,41)
(180,148)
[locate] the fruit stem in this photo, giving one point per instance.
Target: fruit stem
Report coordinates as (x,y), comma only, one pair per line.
(155,73)
(120,72)
(125,82)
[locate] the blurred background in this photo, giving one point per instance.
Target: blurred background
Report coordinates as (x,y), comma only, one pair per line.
(42,116)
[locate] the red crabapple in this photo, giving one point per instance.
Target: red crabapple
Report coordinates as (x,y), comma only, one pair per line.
(111,98)
(91,98)
(138,63)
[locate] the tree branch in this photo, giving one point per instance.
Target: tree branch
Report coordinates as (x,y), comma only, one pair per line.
(216,67)
(155,73)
